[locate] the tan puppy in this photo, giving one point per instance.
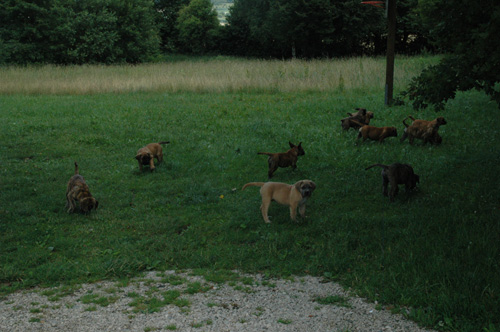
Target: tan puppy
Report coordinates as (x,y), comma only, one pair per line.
(78,190)
(424,130)
(376,133)
(294,196)
(357,120)
(146,155)
(284,159)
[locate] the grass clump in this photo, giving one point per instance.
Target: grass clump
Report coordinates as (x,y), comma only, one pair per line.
(337,300)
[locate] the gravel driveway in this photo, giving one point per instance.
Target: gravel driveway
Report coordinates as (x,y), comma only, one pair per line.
(174,301)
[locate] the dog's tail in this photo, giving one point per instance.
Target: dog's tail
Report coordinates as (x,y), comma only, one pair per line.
(379,165)
(76,168)
(408,117)
(266,153)
(256,184)
(164,142)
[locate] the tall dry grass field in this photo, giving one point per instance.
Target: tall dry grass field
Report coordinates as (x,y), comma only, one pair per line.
(212,75)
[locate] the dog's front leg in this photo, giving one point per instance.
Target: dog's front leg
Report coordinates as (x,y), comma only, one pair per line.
(70,203)
(302,210)
(151,164)
(293,212)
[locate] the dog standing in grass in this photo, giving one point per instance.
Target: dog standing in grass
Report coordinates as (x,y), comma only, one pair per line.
(78,191)
(294,196)
(376,133)
(423,129)
(146,155)
(357,120)
(284,159)
(396,174)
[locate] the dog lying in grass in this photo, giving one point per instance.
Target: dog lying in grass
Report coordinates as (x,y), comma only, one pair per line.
(78,191)
(294,196)
(423,129)
(396,174)
(357,120)
(146,155)
(284,159)
(376,133)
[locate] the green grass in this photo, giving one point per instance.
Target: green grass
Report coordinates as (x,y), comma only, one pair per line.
(435,252)
(337,300)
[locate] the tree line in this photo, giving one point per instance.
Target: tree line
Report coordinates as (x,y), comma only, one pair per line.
(135,31)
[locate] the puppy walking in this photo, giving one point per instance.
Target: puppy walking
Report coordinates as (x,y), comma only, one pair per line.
(284,159)
(146,155)
(396,174)
(376,133)
(423,129)
(294,196)
(357,120)
(78,191)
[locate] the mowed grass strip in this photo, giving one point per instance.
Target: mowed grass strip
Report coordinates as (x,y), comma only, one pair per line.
(433,254)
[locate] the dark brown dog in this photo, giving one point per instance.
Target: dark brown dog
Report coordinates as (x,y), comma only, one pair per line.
(424,130)
(396,174)
(294,196)
(146,155)
(357,120)
(78,191)
(284,159)
(376,133)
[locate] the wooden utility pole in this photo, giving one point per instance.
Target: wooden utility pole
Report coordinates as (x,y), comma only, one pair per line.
(391,37)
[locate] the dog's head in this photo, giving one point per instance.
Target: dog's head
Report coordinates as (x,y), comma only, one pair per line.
(300,150)
(305,187)
(88,203)
(144,158)
(368,116)
(440,121)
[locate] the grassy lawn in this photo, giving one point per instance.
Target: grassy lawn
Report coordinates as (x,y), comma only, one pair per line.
(433,255)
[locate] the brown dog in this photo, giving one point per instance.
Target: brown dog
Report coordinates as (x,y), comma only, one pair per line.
(78,190)
(357,120)
(376,133)
(284,159)
(424,130)
(294,196)
(396,174)
(146,155)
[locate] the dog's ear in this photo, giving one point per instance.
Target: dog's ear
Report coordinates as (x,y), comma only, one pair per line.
(298,185)
(291,144)
(138,157)
(313,185)
(300,144)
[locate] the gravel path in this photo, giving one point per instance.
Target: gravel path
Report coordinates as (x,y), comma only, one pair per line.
(168,301)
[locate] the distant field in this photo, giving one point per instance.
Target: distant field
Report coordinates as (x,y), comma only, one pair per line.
(433,255)
(212,75)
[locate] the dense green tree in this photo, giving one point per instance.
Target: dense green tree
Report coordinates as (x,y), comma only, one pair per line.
(467,31)
(168,13)
(197,24)
(67,31)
